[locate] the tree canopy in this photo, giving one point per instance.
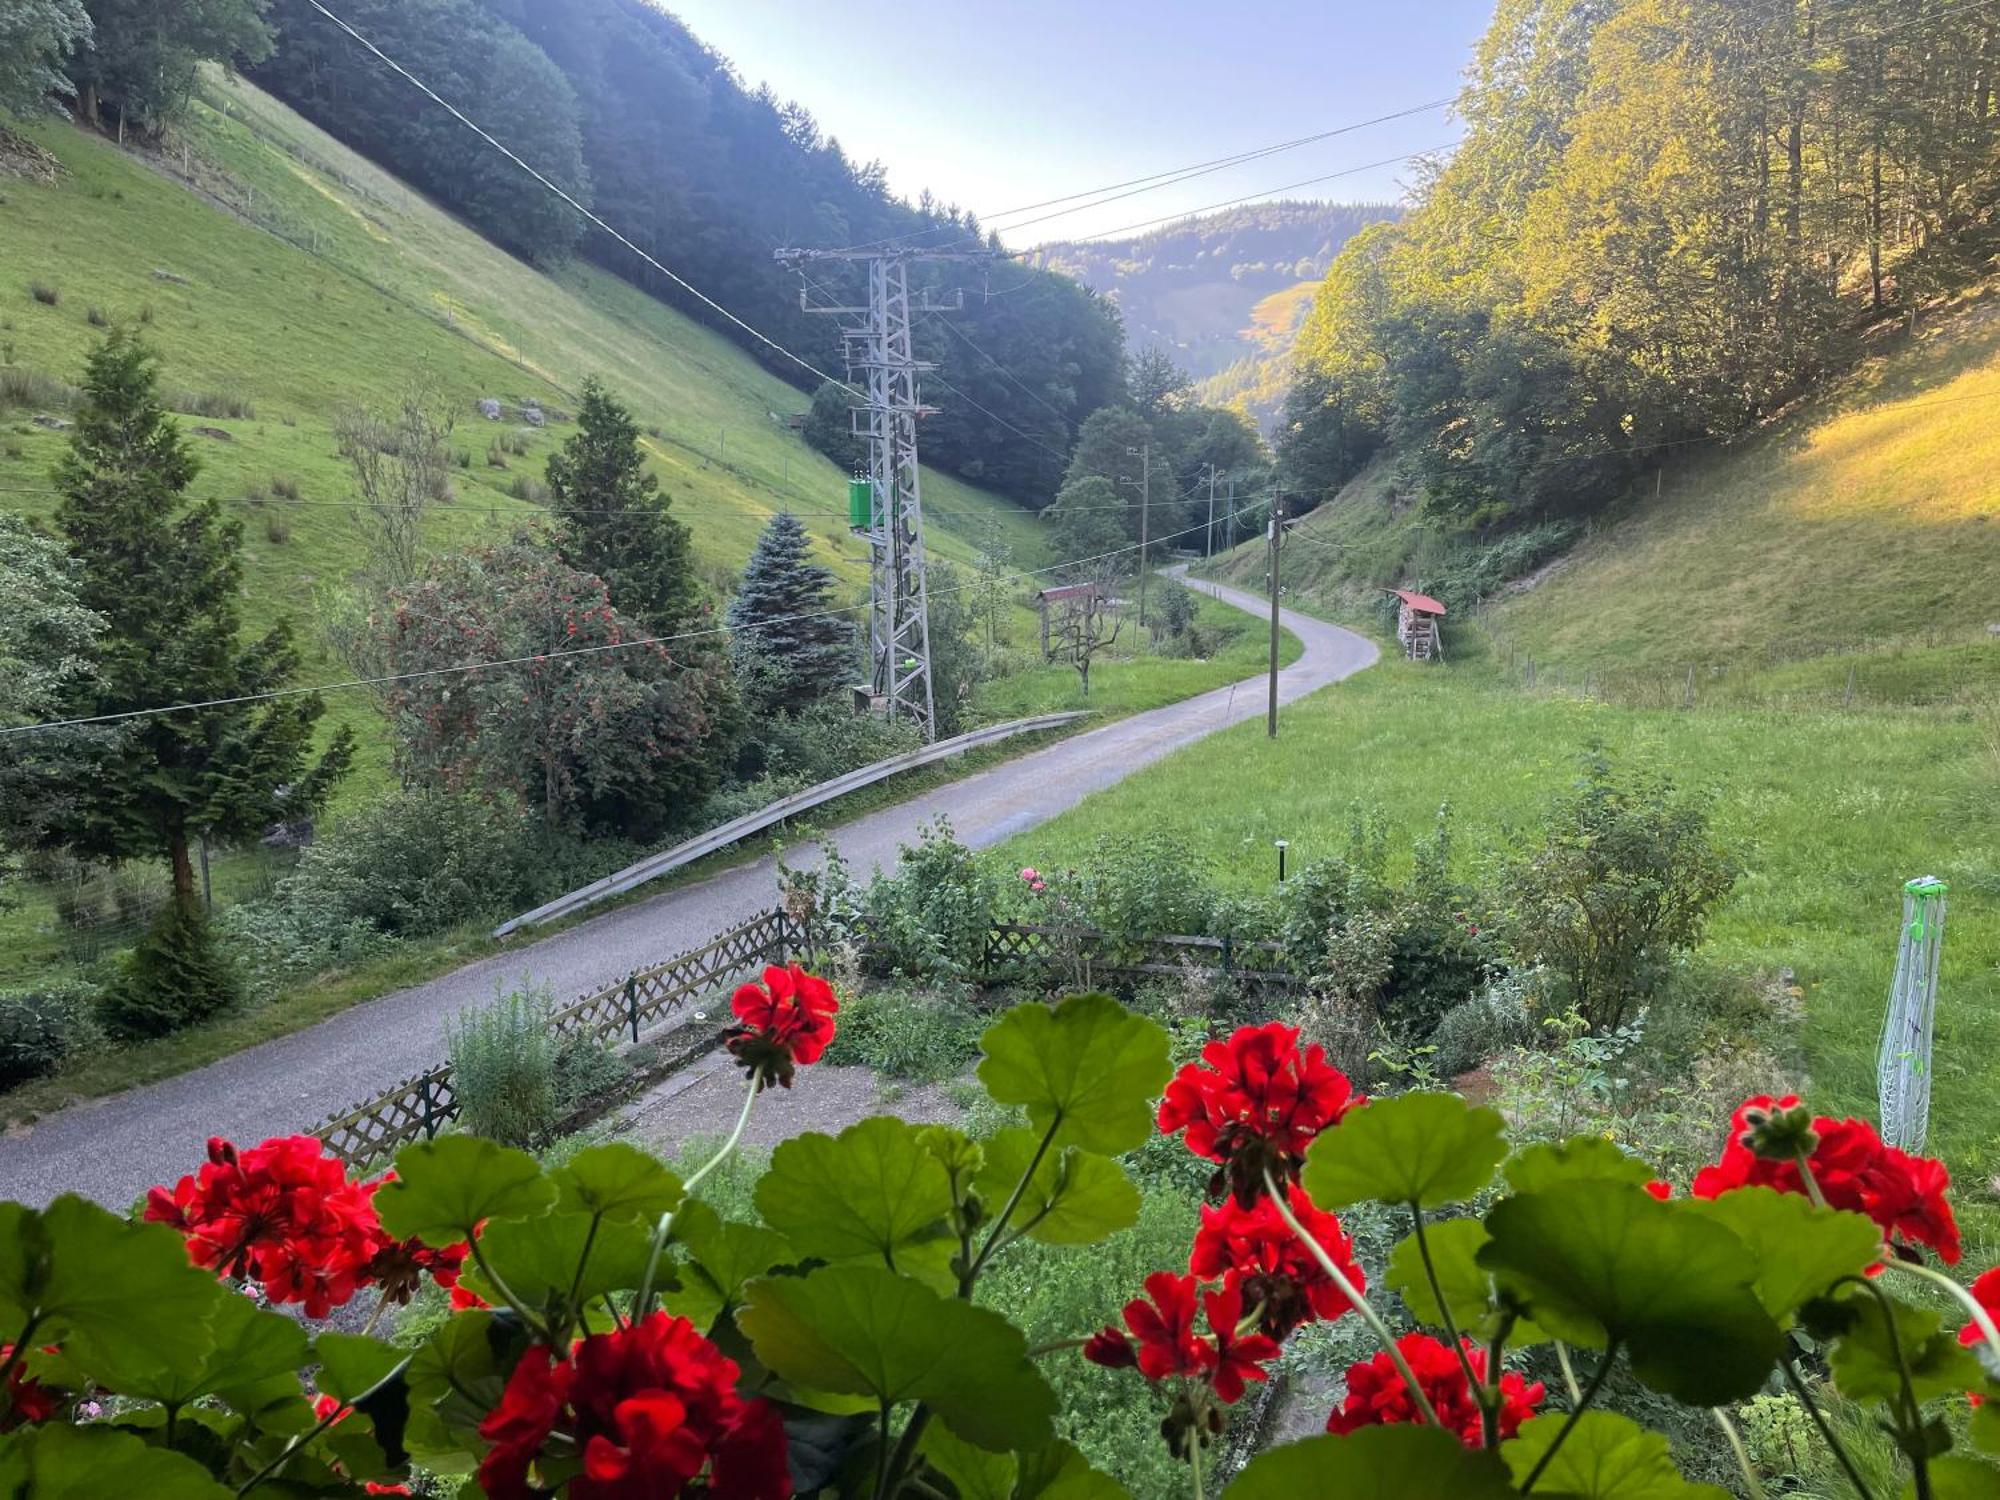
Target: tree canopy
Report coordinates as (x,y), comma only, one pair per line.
(37,38)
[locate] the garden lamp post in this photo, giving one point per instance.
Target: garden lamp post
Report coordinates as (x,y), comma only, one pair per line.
(1281,845)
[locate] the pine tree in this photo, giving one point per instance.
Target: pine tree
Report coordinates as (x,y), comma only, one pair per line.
(165,576)
(785,662)
(615,521)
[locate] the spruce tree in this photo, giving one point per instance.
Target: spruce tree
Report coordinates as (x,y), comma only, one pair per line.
(789,651)
(165,576)
(615,522)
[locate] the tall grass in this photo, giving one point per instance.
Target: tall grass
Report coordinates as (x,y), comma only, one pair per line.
(503,1067)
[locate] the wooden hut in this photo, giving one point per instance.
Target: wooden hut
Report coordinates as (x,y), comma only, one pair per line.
(1066,599)
(1417,617)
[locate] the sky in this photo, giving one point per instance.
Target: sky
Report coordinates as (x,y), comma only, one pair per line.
(1007,103)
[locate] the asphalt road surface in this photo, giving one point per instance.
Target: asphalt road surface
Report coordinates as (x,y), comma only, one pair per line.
(114,1149)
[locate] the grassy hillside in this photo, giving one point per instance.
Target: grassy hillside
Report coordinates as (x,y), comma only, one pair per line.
(284,278)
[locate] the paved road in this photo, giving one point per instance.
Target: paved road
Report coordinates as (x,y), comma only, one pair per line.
(113,1149)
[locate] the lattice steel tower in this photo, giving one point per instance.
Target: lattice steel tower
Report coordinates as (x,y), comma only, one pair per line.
(883,369)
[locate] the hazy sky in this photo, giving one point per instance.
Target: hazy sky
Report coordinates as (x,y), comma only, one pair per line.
(1008,102)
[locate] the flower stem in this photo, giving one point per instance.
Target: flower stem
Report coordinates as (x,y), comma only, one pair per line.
(1980,1316)
(1575,1415)
(507,1294)
(1472,1382)
(381,1306)
(1013,1202)
(643,1302)
(1194,1462)
(1569,1373)
(339,1411)
(1735,1440)
(1910,1418)
(1811,1182)
(1825,1428)
(1356,1301)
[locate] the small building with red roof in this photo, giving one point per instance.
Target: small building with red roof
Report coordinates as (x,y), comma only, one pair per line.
(1417,627)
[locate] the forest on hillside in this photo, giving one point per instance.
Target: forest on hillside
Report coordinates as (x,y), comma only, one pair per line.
(1666,220)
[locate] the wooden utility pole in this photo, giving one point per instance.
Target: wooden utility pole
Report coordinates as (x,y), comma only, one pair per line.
(1277,540)
(1145,456)
(1209,535)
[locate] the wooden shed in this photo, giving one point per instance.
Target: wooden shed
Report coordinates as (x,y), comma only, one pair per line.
(1417,617)
(1068,597)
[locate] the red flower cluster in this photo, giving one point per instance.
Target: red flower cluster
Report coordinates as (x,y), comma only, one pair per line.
(285,1215)
(1169,1343)
(649,1409)
(1254,1103)
(786,1020)
(1853,1168)
(1278,1273)
(1986,1292)
(1377,1395)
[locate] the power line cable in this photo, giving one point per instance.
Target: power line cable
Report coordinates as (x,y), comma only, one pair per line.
(680,281)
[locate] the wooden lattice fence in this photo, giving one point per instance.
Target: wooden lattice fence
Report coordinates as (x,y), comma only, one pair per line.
(644,1001)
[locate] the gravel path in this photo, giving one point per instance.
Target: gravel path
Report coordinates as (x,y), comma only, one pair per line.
(114,1149)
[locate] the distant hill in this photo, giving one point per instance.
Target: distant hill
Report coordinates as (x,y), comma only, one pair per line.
(1224,294)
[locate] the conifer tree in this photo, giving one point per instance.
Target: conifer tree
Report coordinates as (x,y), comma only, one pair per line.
(165,576)
(789,651)
(615,520)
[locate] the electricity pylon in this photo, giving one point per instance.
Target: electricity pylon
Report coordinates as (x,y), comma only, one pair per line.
(883,367)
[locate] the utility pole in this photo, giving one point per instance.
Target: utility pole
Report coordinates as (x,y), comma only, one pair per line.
(1229,526)
(1277,541)
(1145,456)
(1209,535)
(883,372)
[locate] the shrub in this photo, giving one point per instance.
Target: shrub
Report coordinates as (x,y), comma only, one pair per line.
(503,1067)
(1145,886)
(177,976)
(284,489)
(42,1028)
(277,529)
(586,1072)
(1625,878)
(45,294)
(31,390)
(213,404)
(1173,609)
(1494,1021)
(97,317)
(932,916)
(917,1035)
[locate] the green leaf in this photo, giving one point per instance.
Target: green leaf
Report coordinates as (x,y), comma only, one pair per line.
(250,1359)
(538,1258)
(1581,1158)
(446,1186)
(351,1364)
(1799,1249)
(864,1331)
(94,1462)
(1468,1286)
(1864,1361)
(618,1181)
(1956,1477)
(1984,1428)
(104,1288)
(456,1377)
(1605,1457)
(1088,1066)
(728,1254)
(1376,1463)
(1074,1198)
(1059,1472)
(871,1193)
(1598,1262)
(1427,1149)
(975,1473)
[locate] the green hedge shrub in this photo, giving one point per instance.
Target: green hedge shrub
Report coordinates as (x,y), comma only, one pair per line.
(42,1028)
(176,976)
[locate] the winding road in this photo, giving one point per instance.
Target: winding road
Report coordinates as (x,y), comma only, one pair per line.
(113,1149)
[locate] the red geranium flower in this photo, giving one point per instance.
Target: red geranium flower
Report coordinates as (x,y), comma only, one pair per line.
(1277,1270)
(1254,1103)
(1237,1359)
(1163,1323)
(786,1020)
(1853,1169)
(1986,1292)
(28,1400)
(1378,1396)
(651,1408)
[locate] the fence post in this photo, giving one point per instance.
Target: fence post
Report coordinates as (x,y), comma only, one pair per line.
(1228,952)
(1687,698)
(632,1004)
(427,1106)
(1847,698)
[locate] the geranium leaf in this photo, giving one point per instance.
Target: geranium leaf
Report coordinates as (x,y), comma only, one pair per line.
(870,1193)
(1597,1262)
(106,1289)
(1060,1472)
(250,1358)
(539,1258)
(618,1181)
(456,1377)
(92,1462)
(1468,1286)
(975,1473)
(1604,1457)
(865,1331)
(350,1363)
(728,1254)
(1087,1066)
(1376,1463)
(446,1186)
(1799,1248)
(1864,1362)
(1582,1158)
(1985,1426)
(1427,1149)
(1074,1197)
(1956,1477)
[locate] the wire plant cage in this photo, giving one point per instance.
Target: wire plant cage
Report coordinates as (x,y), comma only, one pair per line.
(1903,1067)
